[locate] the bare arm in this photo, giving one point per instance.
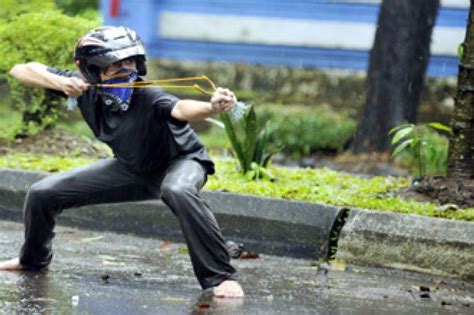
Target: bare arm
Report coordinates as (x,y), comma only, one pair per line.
(36,74)
(222,100)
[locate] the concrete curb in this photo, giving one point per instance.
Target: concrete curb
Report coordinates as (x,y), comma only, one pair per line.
(410,242)
(298,229)
(264,225)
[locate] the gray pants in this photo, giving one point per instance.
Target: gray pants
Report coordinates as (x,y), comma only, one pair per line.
(108,181)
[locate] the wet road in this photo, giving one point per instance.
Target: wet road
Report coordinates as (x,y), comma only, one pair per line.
(105,273)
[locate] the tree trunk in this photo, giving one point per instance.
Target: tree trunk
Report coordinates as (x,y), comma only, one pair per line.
(398,63)
(461,144)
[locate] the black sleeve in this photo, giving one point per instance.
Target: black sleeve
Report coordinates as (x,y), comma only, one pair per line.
(163,104)
(64,73)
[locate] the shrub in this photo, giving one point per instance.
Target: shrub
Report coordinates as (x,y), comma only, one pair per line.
(302,130)
(48,37)
(12,8)
(74,7)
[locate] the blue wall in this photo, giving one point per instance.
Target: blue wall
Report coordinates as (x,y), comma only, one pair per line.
(202,42)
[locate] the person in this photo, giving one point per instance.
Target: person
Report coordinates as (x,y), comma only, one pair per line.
(156,153)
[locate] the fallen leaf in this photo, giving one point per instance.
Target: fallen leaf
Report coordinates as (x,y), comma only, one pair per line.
(131,256)
(249,255)
(165,245)
(117,263)
(438,281)
(337,265)
(204,305)
(107,257)
(173,299)
(183,250)
(91,239)
(310,282)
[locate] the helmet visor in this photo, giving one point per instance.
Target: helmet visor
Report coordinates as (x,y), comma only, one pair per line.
(106,59)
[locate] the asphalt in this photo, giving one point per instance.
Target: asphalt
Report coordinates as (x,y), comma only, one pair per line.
(281,227)
(99,272)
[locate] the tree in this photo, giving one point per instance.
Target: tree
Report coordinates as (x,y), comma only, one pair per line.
(461,144)
(398,63)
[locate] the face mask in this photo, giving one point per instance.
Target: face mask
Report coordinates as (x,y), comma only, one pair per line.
(116,98)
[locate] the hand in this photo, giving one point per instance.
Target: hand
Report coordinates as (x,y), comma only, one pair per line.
(223,100)
(73,86)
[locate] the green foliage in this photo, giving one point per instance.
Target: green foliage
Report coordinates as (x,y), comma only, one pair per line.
(10,124)
(74,7)
(302,130)
(460,50)
(299,130)
(249,144)
(423,147)
(49,37)
(12,8)
(10,121)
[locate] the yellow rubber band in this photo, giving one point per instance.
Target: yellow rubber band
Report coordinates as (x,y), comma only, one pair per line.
(156,83)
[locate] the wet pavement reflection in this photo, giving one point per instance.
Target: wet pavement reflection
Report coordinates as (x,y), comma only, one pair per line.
(97,272)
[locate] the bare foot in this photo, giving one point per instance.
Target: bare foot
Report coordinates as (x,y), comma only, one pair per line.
(12,264)
(229,289)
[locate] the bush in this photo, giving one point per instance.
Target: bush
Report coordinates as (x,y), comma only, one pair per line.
(302,130)
(74,7)
(12,8)
(48,37)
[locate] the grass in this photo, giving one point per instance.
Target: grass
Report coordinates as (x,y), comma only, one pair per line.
(309,185)
(330,187)
(42,162)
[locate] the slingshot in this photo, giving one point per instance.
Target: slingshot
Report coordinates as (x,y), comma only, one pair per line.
(236,114)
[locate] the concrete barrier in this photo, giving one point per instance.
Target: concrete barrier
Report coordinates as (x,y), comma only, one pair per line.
(264,225)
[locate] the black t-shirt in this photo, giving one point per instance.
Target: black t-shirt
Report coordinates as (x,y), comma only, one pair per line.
(145,137)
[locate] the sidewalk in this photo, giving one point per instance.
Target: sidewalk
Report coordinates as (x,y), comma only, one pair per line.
(279,227)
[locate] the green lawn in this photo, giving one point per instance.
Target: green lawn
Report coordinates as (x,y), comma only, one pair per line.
(310,185)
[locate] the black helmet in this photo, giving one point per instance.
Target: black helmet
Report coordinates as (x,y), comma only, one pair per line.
(103,46)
